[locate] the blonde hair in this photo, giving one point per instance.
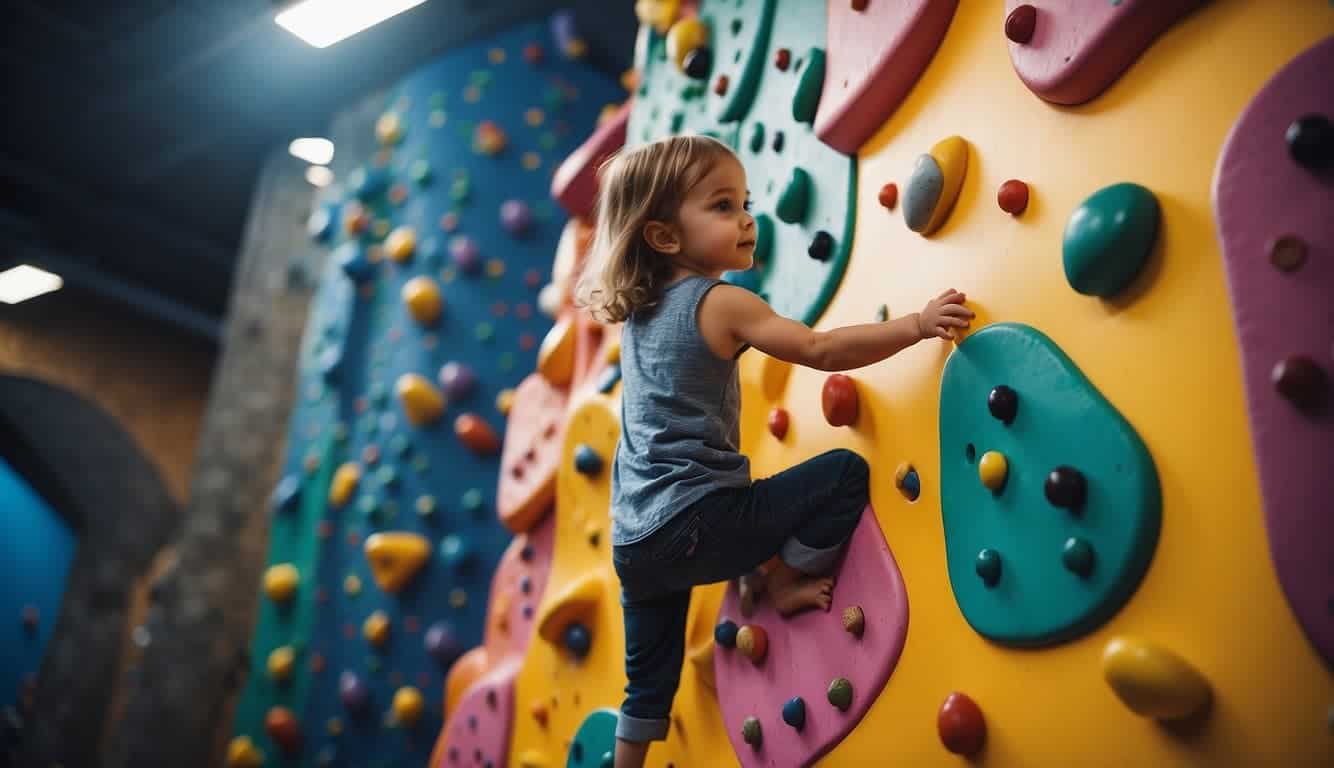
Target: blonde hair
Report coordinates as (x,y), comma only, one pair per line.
(649,183)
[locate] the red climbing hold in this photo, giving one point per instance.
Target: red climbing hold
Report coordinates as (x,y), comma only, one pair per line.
(1021,23)
(859,5)
(889,196)
(1013,197)
(532,53)
(473,431)
(720,85)
(839,400)
(962,728)
(782,59)
(282,727)
(778,423)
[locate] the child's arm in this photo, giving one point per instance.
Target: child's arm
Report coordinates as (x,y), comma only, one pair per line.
(744,318)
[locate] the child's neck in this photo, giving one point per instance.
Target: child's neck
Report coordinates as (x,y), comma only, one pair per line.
(684,270)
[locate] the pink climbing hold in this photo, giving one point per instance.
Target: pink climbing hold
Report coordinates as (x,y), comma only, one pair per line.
(868,576)
(873,57)
(1076,49)
(575,183)
(483,719)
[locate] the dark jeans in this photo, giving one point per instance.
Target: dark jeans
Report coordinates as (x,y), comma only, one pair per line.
(805,514)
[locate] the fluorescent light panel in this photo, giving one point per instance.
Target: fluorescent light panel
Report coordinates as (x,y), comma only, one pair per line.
(324,22)
(25,282)
(312,150)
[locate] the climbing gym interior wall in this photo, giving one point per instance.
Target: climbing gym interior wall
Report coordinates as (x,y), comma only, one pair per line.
(384,531)
(1098,532)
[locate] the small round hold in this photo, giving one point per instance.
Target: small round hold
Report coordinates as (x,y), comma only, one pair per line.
(698,63)
(794,712)
(840,693)
(353,692)
(778,141)
(882,313)
(1311,142)
(1003,403)
(587,462)
(859,5)
(577,640)
(1013,197)
(993,470)
(1077,557)
(608,760)
(1300,381)
(720,85)
(753,642)
(1287,253)
(822,246)
(988,566)
(1021,23)
(889,196)
(778,422)
(782,59)
(1066,488)
(907,481)
(751,733)
(854,620)
(725,634)
(961,726)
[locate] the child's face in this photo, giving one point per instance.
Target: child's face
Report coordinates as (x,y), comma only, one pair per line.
(717,232)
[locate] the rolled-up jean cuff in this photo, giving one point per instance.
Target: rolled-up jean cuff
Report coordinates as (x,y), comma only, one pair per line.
(809,560)
(630,728)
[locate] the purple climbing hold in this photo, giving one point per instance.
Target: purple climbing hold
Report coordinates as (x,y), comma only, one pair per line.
(353,691)
(440,643)
(463,250)
(457,379)
(516,217)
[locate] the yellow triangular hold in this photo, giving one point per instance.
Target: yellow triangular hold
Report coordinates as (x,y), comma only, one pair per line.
(396,557)
(555,357)
(576,602)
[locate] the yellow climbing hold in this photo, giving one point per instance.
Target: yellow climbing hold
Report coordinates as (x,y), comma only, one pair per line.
(421,295)
(407,705)
(345,481)
(352,584)
(951,155)
(281,661)
(578,601)
(658,14)
(401,243)
(992,468)
(242,753)
(389,128)
(1153,681)
(422,402)
(334,726)
(504,401)
(613,353)
(376,629)
(396,557)
(533,758)
(555,358)
(280,582)
(685,36)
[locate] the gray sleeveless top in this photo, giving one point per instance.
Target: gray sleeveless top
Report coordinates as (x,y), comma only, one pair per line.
(680,416)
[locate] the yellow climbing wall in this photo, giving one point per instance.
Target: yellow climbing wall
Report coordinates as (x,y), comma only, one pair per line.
(1164,353)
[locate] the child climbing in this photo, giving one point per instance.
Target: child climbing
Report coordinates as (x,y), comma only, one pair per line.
(672,218)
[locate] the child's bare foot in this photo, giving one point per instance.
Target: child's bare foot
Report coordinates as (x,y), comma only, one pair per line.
(749,587)
(792,591)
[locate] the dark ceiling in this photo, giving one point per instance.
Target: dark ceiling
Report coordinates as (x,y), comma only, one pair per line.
(135,129)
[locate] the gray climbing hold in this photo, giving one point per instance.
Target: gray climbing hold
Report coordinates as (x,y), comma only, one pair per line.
(924,187)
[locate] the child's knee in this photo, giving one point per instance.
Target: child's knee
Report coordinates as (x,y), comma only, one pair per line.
(856,471)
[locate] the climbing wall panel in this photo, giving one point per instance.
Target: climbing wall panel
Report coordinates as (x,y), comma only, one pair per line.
(385,526)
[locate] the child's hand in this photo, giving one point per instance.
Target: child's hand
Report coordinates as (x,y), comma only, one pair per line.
(942,313)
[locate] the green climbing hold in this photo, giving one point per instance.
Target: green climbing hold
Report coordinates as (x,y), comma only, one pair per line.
(594,740)
(751,732)
(421,172)
(840,693)
(1108,239)
(1045,562)
(807,97)
(757,137)
(795,199)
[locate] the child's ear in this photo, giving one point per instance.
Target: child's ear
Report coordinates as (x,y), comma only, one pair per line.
(662,238)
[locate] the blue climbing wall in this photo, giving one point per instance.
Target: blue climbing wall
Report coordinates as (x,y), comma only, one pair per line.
(36,548)
(481,128)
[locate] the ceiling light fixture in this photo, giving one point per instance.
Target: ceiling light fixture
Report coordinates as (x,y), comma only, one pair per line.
(313,150)
(25,282)
(324,22)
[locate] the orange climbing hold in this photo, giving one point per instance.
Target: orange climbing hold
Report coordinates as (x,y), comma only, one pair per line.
(839,400)
(395,558)
(400,244)
(555,358)
(473,431)
(753,642)
(282,727)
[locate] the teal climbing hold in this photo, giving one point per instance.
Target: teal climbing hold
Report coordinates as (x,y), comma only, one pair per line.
(757,137)
(794,712)
(1046,590)
(795,198)
(593,741)
(739,56)
(1108,239)
(924,187)
(806,99)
